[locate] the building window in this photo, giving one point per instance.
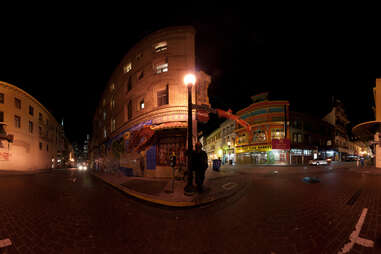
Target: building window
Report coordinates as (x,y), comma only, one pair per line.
(162,97)
(299,138)
(129,113)
(127,68)
(1,98)
(141,104)
(40,146)
(30,127)
(112,104)
(104,115)
(129,84)
(140,75)
(17,121)
(17,103)
(47,147)
(259,136)
(31,111)
(104,133)
(40,116)
(139,56)
(277,133)
(39,130)
(112,125)
(161,46)
(160,68)
(112,87)
(104,102)
(1,116)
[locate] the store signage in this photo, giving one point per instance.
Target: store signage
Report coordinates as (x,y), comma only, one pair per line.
(283,144)
(254,148)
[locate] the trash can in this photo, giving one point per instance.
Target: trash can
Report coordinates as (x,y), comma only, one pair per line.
(216,165)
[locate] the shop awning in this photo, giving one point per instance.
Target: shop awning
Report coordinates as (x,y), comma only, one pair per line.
(170,125)
(365,131)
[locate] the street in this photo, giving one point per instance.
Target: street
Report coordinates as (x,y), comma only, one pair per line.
(68,211)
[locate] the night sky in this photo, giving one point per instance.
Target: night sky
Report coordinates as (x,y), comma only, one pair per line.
(64,56)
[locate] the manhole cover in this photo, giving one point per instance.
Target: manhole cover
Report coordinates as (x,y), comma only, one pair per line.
(308,179)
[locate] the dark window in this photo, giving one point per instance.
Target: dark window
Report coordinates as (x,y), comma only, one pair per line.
(140,75)
(30,127)
(1,116)
(129,84)
(39,130)
(39,116)
(129,110)
(31,110)
(162,97)
(17,103)
(17,121)
(47,147)
(40,146)
(1,98)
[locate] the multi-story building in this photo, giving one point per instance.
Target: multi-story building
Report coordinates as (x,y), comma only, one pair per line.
(146,91)
(269,141)
(213,145)
(31,138)
(228,137)
(311,137)
(338,119)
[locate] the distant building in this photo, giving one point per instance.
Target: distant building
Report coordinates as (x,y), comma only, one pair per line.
(30,138)
(146,93)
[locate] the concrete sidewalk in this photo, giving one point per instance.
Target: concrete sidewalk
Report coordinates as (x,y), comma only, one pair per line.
(217,185)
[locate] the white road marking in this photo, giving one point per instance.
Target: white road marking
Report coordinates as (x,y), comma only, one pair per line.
(5,242)
(354,237)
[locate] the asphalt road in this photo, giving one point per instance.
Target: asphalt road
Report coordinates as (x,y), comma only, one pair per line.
(73,212)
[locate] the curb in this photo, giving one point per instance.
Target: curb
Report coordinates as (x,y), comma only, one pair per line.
(177,204)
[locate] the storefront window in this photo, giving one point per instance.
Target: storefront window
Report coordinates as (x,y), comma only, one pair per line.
(259,136)
(167,145)
(277,133)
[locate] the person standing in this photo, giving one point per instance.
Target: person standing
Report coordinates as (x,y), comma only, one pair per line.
(199,164)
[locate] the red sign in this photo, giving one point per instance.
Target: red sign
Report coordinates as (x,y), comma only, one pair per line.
(202,116)
(283,144)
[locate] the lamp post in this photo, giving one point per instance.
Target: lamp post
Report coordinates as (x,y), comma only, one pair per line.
(189,81)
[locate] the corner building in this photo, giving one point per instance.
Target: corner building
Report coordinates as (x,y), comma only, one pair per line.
(147,90)
(30,137)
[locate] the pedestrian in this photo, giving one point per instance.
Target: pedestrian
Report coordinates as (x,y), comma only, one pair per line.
(362,162)
(357,162)
(199,164)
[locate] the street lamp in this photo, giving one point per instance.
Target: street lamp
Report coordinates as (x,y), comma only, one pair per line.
(189,81)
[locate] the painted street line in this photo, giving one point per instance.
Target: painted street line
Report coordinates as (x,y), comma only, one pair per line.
(5,242)
(354,237)
(229,186)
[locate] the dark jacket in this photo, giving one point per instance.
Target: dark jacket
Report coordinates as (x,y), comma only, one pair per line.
(199,161)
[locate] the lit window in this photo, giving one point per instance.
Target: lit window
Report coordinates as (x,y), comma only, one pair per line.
(161,46)
(141,104)
(112,87)
(104,133)
(104,115)
(112,104)
(127,68)
(161,68)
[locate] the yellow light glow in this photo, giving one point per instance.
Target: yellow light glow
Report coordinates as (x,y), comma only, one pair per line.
(190,79)
(220,153)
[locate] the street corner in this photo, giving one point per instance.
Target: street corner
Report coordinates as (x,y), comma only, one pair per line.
(221,188)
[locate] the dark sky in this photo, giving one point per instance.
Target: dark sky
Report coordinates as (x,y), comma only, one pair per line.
(64,56)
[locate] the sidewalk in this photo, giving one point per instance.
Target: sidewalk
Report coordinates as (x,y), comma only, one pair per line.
(217,185)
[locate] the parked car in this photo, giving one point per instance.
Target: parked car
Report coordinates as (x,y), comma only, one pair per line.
(318,162)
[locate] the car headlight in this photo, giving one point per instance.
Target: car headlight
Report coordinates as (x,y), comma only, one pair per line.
(80,167)
(84,168)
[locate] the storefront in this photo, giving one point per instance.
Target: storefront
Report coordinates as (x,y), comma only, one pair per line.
(261,154)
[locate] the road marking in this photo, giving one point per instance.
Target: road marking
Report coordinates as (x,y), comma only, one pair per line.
(5,242)
(354,237)
(229,186)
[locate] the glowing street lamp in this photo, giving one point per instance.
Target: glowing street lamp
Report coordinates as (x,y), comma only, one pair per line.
(189,81)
